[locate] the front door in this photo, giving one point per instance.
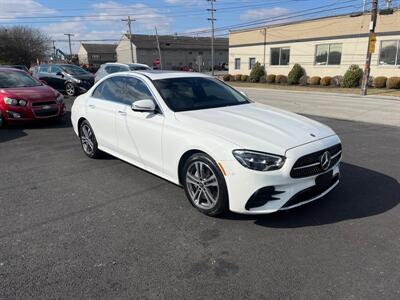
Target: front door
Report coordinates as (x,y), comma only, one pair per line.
(139,133)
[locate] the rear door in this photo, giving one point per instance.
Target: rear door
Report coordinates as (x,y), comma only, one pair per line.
(101,111)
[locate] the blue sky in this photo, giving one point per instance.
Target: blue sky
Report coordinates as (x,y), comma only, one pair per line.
(100,20)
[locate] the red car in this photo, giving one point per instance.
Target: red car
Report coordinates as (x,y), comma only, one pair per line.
(24,98)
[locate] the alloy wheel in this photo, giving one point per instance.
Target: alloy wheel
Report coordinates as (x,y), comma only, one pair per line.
(70,89)
(87,139)
(202,185)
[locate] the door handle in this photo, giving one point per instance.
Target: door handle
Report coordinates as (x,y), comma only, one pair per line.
(122,113)
(92,106)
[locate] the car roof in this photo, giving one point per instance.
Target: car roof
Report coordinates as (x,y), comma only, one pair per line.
(156,74)
(10,69)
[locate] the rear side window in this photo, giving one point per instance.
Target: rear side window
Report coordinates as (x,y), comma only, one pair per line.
(44,69)
(115,69)
(124,90)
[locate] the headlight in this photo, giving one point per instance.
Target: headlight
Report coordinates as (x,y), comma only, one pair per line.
(60,98)
(76,80)
(22,102)
(10,101)
(258,160)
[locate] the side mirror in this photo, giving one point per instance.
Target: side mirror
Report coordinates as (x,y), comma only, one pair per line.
(145,105)
(60,74)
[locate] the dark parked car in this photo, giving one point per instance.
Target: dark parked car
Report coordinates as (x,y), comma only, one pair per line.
(70,79)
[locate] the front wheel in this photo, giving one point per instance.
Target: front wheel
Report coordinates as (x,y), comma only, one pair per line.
(70,89)
(205,185)
(88,140)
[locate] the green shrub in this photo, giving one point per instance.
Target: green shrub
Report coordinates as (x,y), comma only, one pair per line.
(295,74)
(226,77)
(352,77)
(238,77)
(271,78)
(336,80)
(256,72)
(245,78)
(280,79)
(315,80)
(304,80)
(263,79)
(231,78)
(380,82)
(393,83)
(326,80)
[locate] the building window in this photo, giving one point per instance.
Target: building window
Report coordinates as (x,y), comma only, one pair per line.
(252,62)
(389,54)
(190,52)
(200,52)
(328,54)
(237,63)
(280,56)
(95,56)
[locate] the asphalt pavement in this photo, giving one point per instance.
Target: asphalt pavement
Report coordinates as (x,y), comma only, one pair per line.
(72,227)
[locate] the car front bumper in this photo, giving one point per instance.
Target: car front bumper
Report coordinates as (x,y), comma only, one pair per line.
(280,190)
(13,115)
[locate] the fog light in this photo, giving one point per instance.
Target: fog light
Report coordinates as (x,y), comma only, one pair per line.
(13,115)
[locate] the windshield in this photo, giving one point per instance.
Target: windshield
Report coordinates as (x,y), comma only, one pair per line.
(192,93)
(74,70)
(16,80)
(138,68)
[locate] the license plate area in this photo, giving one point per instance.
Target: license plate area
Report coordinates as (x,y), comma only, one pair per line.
(324,181)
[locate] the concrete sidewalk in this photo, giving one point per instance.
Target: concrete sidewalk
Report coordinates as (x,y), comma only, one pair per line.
(378,109)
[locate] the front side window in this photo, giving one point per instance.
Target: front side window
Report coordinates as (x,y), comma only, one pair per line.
(121,89)
(252,62)
(280,56)
(389,54)
(55,69)
(328,54)
(237,63)
(183,94)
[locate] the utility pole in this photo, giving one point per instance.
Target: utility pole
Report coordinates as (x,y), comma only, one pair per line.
(129,22)
(371,47)
(212,19)
(388,3)
(54,52)
(364,5)
(69,42)
(158,47)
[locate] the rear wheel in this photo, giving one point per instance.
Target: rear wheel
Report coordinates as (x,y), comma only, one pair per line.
(205,185)
(70,89)
(88,140)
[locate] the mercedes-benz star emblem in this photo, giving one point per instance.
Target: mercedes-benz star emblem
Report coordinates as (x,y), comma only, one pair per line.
(325,160)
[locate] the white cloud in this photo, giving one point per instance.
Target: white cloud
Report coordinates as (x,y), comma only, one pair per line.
(263,13)
(105,23)
(23,8)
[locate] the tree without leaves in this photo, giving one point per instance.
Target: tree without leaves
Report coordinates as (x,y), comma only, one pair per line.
(22,45)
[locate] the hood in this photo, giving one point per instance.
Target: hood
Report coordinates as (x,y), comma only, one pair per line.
(42,92)
(256,127)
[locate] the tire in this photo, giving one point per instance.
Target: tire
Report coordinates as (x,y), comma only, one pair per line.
(70,89)
(205,185)
(88,140)
(2,121)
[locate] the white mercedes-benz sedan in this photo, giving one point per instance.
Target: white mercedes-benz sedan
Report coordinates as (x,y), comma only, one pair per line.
(227,152)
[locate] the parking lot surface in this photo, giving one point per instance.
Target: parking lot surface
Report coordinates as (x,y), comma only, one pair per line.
(72,227)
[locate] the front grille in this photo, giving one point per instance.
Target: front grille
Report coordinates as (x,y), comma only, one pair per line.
(46,112)
(311,192)
(52,102)
(309,165)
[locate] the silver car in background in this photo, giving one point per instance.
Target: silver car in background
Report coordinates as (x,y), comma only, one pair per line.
(109,68)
